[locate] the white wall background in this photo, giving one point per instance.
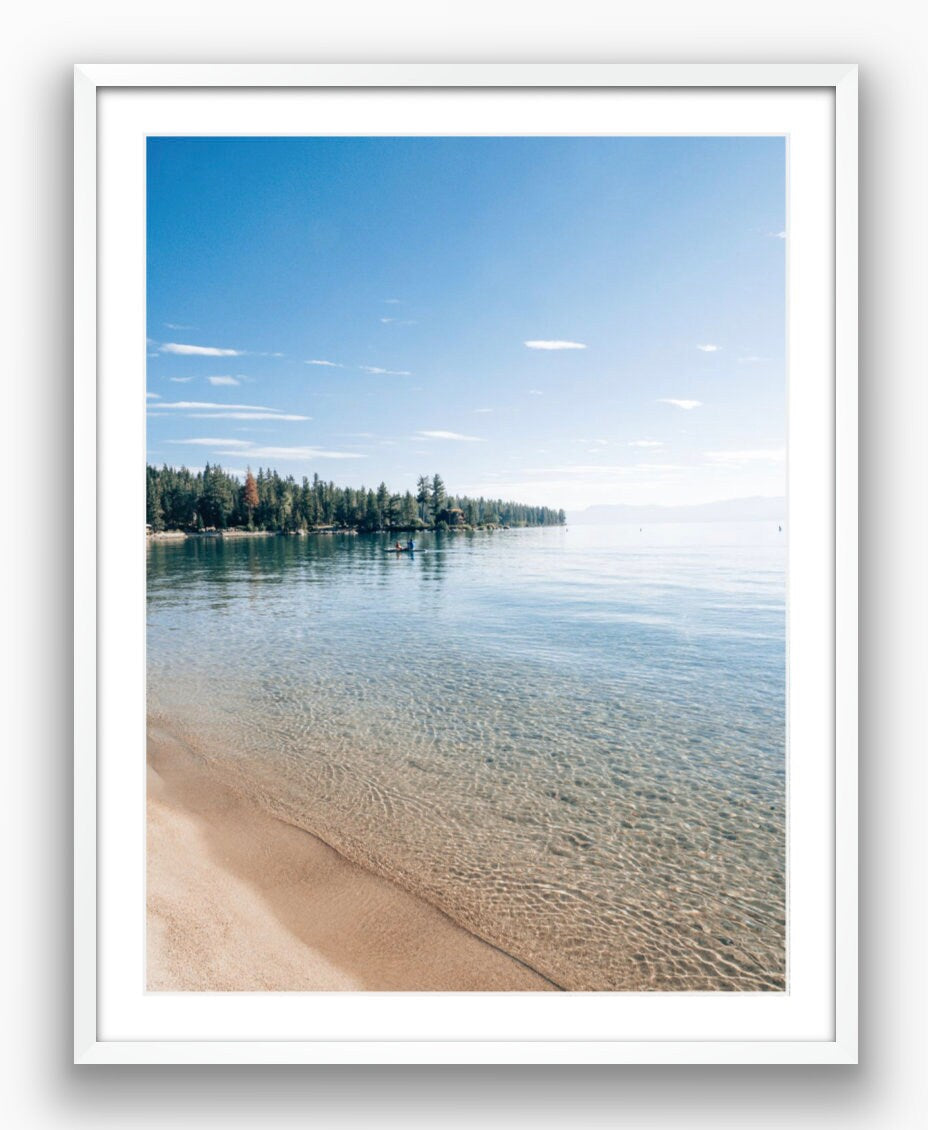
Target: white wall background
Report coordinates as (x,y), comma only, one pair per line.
(39,43)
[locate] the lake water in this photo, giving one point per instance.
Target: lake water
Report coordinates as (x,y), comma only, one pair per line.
(570,740)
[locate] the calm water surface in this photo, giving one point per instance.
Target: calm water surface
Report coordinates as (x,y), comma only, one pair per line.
(572,741)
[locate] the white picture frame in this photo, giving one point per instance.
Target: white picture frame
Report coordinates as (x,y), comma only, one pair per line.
(823,449)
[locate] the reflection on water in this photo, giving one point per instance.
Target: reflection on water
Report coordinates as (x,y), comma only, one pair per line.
(572,741)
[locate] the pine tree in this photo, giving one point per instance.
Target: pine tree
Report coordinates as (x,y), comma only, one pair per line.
(409,515)
(423,493)
(383,502)
(437,499)
(371,520)
(154,514)
(250,498)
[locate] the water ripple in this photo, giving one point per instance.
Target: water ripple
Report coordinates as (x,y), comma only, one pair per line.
(572,743)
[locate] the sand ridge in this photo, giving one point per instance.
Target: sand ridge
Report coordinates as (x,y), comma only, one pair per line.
(238,900)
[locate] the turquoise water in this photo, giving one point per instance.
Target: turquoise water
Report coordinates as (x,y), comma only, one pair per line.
(572,741)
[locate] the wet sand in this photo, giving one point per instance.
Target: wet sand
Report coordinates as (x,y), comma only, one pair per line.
(241,901)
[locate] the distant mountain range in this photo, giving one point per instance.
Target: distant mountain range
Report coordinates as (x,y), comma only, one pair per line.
(729,510)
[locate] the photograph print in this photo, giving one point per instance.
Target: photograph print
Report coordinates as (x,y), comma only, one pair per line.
(466,543)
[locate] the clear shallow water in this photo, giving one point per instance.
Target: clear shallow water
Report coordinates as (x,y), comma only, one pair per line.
(572,741)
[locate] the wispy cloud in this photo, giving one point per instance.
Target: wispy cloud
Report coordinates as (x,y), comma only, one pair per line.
(248,449)
(582,469)
(181,380)
(245,416)
(375,369)
(208,441)
(777,234)
(152,396)
(763,455)
(175,326)
(645,443)
(482,411)
(198,350)
(685,404)
(557,344)
(298,453)
(224,380)
(191,404)
(392,301)
(709,348)
(750,360)
(450,435)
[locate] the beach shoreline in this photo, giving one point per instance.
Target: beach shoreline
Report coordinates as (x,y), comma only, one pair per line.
(238,900)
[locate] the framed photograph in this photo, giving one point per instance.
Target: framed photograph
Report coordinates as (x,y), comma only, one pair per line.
(466,630)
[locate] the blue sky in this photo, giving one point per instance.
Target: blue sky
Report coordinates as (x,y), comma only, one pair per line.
(562,321)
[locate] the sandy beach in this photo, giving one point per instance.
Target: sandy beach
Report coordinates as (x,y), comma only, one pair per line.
(241,901)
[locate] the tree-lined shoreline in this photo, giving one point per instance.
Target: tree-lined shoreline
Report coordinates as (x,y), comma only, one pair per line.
(178,499)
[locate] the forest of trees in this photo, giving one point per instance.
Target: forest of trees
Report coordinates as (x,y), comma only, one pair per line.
(212,499)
